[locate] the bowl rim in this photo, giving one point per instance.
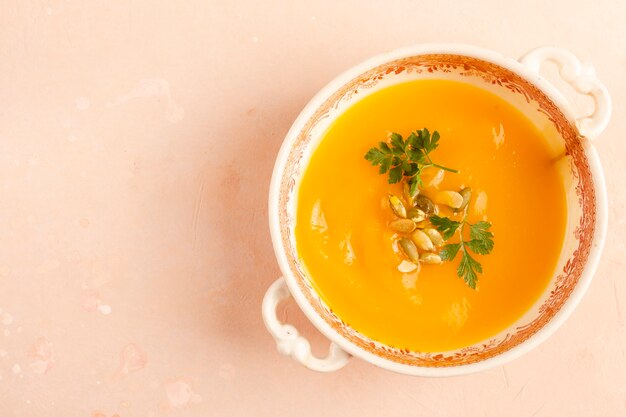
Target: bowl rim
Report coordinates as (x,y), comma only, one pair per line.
(579,289)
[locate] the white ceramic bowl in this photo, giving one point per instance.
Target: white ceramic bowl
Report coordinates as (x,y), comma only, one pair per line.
(520,84)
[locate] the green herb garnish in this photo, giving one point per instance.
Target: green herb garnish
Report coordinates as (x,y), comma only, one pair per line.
(406,158)
(481,242)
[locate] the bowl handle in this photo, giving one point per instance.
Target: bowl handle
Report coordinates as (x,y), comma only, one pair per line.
(582,77)
(288,340)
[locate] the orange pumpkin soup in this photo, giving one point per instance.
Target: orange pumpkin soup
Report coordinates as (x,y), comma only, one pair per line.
(343,217)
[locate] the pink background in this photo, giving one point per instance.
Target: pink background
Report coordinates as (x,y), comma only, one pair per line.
(137,140)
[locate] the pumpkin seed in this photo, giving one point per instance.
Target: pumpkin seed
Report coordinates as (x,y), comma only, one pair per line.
(422,224)
(416,215)
(430,258)
(408,248)
(466,193)
(434,236)
(408,196)
(449,198)
(402,225)
(396,206)
(422,241)
(425,204)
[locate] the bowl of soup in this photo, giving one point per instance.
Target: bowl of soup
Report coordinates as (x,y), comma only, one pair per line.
(438,210)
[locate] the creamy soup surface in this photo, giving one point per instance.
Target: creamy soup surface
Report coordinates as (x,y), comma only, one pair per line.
(342,230)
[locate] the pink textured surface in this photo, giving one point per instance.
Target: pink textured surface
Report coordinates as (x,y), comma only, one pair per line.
(136,146)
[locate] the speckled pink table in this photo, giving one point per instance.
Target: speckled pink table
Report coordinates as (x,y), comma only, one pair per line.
(137,140)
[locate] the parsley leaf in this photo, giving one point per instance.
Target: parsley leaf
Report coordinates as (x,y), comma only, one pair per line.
(405,158)
(395,174)
(415,154)
(378,156)
(385,164)
(445,225)
(384,147)
(430,142)
(482,238)
(468,268)
(481,242)
(397,143)
(413,184)
(449,251)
